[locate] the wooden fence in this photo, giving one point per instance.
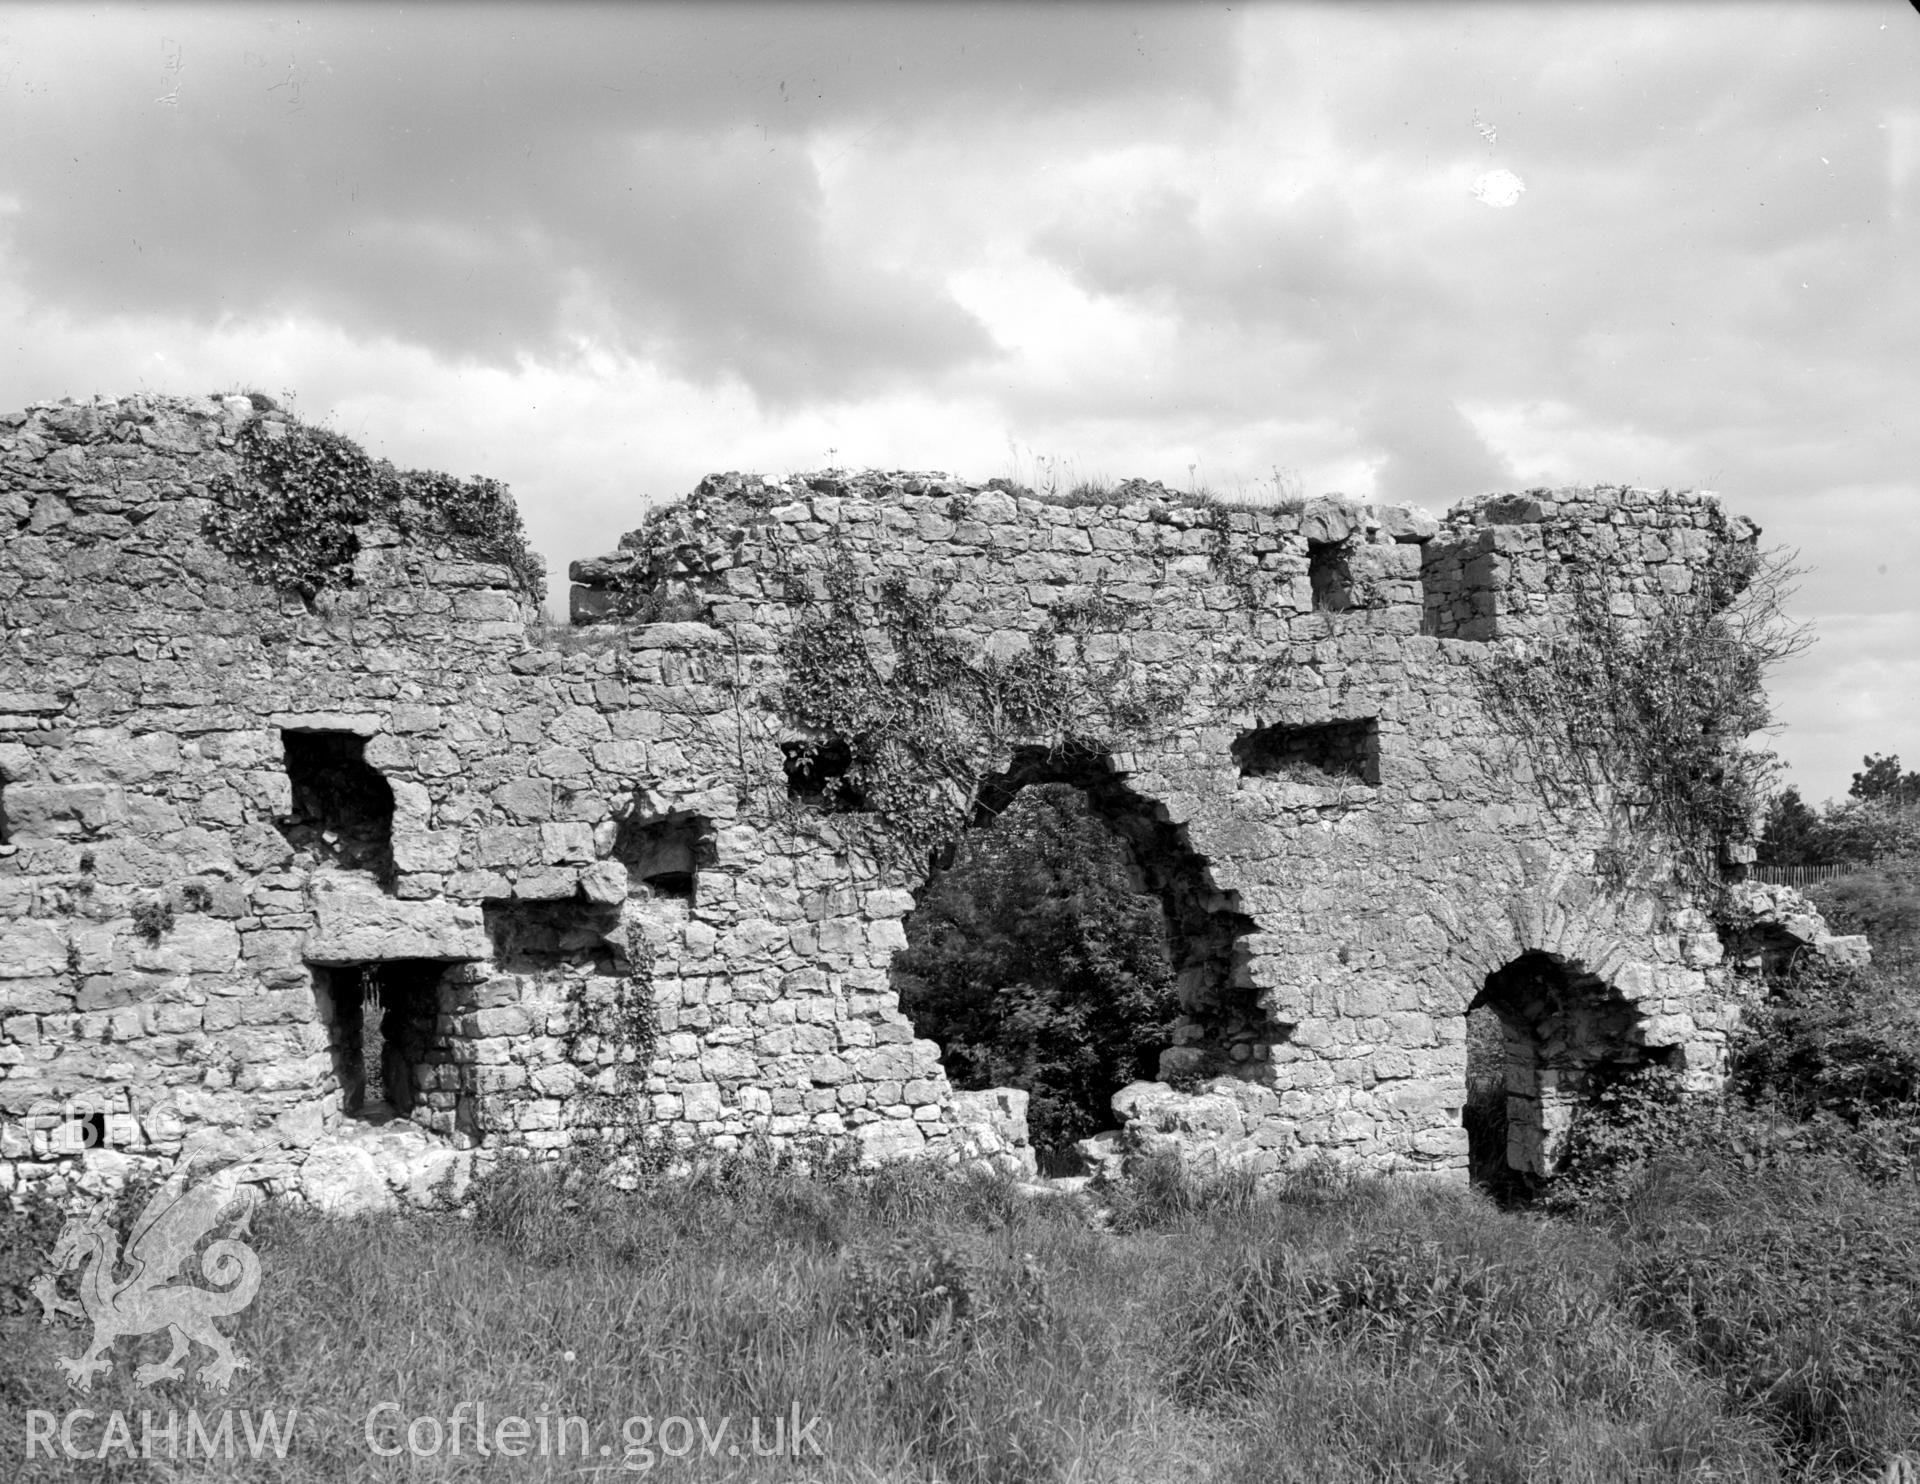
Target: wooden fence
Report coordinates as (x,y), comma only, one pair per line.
(1801,875)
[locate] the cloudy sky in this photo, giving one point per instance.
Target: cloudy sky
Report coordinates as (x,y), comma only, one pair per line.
(1405,253)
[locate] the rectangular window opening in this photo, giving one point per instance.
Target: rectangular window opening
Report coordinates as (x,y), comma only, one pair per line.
(817,776)
(342,810)
(664,854)
(382,1024)
(1327,753)
(529,937)
(1330,576)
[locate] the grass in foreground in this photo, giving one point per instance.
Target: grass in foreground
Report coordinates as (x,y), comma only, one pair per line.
(957,1330)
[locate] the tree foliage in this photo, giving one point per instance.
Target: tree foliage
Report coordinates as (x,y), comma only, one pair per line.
(1880,780)
(1876,829)
(1879,820)
(1036,963)
(1791,833)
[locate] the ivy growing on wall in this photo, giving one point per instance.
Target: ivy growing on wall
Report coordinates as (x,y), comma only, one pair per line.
(1651,710)
(922,717)
(615,1016)
(293,515)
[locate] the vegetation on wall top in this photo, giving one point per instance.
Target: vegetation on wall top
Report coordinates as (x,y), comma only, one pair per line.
(293,515)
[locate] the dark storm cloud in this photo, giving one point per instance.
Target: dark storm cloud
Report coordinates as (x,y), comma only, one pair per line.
(499,183)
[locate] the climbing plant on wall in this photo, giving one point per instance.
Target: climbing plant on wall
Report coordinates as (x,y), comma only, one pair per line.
(1650,700)
(921,717)
(613,1017)
(293,514)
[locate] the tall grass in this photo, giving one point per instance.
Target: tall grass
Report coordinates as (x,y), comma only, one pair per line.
(965,1331)
(1795,1283)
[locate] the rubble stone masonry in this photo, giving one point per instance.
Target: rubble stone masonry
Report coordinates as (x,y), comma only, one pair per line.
(570,881)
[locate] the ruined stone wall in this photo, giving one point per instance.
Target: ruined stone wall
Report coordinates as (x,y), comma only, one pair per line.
(604,903)
(1506,564)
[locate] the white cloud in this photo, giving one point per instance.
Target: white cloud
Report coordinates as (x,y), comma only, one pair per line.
(598,252)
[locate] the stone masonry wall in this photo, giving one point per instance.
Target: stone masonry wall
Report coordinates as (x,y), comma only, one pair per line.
(594,828)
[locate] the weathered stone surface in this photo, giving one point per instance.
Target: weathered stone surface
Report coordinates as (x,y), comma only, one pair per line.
(354,922)
(604,881)
(343,1179)
(63,809)
(888,1139)
(358,723)
(994,1122)
(1104,1156)
(1850,951)
(1329,521)
(1405,523)
(597,827)
(31,949)
(1776,923)
(31,702)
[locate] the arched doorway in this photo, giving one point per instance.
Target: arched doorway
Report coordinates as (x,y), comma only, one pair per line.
(1551,1033)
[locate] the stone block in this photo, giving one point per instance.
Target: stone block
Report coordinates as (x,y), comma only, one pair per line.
(426,850)
(829,1071)
(529,800)
(701,1102)
(1441,1143)
(344,1180)
(1003,1110)
(888,903)
(476,886)
(63,809)
(510,845)
(360,723)
(299,1128)
(32,948)
(1406,523)
(355,922)
(887,937)
(888,1139)
(1326,520)
(1851,951)
(566,844)
(546,884)
(31,702)
(606,882)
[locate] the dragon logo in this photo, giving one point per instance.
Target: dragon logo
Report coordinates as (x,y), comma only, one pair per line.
(149,1299)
